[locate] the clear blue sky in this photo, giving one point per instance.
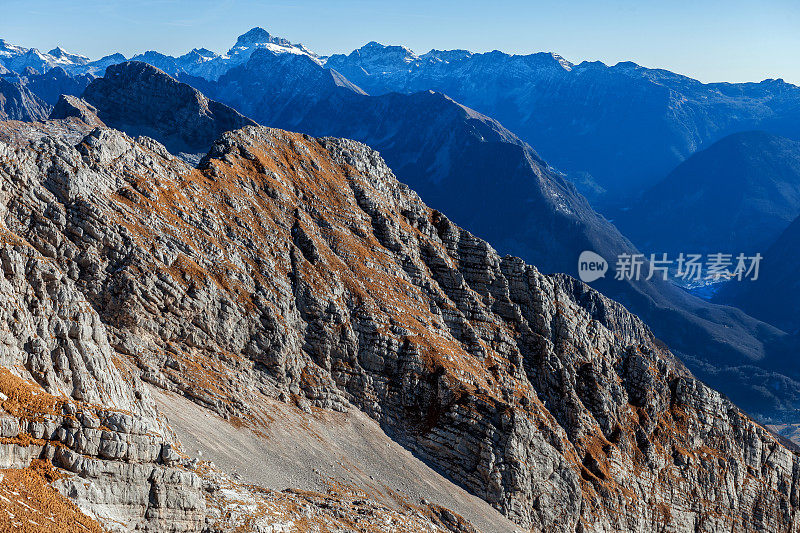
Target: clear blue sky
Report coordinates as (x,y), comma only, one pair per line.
(710,40)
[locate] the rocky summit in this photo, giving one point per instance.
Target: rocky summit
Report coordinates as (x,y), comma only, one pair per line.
(286,270)
(137,97)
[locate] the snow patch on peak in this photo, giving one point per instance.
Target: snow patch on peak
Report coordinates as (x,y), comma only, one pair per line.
(203,52)
(374,48)
(5,46)
(20,59)
(60,52)
(446,56)
(257,36)
(62,57)
(561,61)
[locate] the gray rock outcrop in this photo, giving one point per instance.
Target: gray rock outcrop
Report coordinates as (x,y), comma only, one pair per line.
(72,106)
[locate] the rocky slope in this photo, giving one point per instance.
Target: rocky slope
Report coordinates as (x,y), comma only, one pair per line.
(75,414)
(142,100)
(736,196)
(74,107)
(301,270)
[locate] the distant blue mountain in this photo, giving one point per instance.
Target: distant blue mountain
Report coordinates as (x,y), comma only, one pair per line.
(737,195)
(19,103)
(775,295)
(616,128)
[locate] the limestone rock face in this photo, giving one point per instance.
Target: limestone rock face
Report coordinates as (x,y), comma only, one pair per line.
(70,399)
(301,269)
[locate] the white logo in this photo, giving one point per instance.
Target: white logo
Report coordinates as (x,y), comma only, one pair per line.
(591,266)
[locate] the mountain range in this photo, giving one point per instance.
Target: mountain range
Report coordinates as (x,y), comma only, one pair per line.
(614,130)
(471,167)
(617,128)
(199,311)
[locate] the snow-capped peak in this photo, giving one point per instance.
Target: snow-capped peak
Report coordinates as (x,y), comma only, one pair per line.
(561,61)
(258,36)
(392,51)
(62,56)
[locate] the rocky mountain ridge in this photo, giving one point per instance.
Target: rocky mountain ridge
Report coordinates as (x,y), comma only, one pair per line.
(439,146)
(300,269)
(75,413)
(142,100)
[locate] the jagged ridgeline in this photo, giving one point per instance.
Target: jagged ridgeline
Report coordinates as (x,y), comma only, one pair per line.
(299,271)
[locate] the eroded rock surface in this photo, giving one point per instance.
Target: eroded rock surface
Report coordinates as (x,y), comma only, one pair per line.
(301,269)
